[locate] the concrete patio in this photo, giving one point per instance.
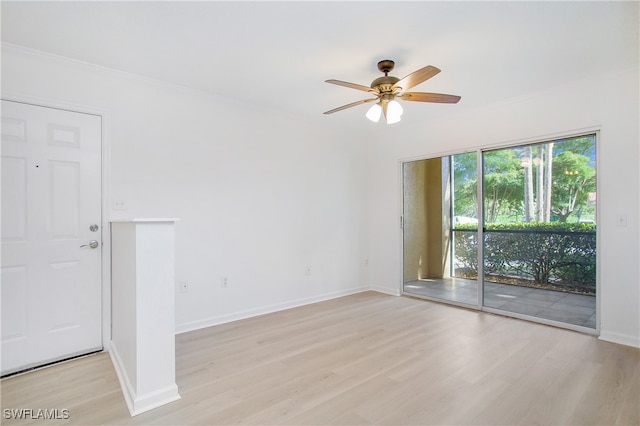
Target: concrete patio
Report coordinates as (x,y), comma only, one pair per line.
(570,308)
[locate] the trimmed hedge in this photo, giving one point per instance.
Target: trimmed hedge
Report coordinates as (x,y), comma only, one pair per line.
(557,254)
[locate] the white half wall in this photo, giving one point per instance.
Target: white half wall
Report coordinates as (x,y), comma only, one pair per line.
(143,332)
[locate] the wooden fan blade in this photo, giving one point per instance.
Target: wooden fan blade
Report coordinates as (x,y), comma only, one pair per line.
(352,104)
(440,98)
(351,85)
(417,77)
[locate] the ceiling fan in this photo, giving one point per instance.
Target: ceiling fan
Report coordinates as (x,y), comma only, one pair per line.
(388,88)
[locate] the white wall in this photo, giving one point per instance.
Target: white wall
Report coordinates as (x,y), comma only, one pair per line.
(260,195)
(608,103)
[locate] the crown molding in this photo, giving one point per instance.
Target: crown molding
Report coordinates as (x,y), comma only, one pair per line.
(65,60)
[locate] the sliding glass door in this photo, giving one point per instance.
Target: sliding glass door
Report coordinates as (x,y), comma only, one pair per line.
(535,215)
(438,215)
(539,231)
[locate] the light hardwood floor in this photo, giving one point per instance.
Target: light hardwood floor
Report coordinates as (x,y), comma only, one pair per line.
(362,359)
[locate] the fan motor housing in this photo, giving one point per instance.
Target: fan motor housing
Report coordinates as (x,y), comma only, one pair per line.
(384,84)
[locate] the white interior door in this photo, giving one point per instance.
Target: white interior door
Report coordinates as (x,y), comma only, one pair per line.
(51,211)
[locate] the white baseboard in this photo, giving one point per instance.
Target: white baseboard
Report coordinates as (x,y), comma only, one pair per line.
(389,291)
(620,338)
(138,404)
(155,399)
(223,319)
(127,390)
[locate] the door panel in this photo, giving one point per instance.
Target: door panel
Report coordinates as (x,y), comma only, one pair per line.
(539,230)
(14,192)
(51,195)
(429,233)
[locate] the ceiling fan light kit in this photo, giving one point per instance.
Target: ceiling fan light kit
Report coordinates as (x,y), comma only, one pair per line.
(388,88)
(394,112)
(374,113)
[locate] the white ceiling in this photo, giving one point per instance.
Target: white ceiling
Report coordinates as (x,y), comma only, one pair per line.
(278,54)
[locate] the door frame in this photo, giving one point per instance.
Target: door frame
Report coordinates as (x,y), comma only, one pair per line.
(597,130)
(105,188)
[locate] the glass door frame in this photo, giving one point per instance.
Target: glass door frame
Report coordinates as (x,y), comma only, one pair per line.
(480,231)
(481,225)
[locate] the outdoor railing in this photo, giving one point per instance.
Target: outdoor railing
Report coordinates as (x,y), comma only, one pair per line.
(557,256)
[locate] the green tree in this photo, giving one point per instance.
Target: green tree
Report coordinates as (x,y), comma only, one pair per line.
(573,179)
(583,145)
(503,183)
(465,185)
(513,189)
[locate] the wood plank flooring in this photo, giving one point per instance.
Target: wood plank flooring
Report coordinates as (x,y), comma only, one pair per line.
(362,359)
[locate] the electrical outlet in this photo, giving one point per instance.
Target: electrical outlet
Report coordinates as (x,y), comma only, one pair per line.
(307,270)
(184,286)
(119,205)
(224,282)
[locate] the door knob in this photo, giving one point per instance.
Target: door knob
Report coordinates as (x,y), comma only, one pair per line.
(93,244)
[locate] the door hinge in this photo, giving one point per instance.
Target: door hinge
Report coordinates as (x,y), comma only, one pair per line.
(401,222)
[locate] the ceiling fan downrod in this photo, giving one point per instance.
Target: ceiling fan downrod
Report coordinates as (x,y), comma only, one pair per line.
(386,66)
